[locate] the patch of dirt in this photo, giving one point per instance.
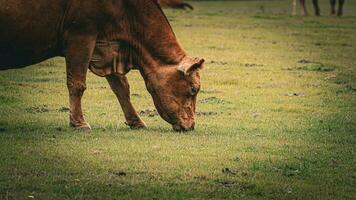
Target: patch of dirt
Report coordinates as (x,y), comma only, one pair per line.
(26,85)
(228,171)
(213,100)
(330,77)
(252,65)
(243,186)
(209,91)
(304,61)
(295,95)
(226,183)
(291,172)
(206,113)
(318,44)
(96,151)
(346,45)
(218,62)
(37,109)
(63,109)
(119,173)
(237,159)
(308,65)
(148,113)
(247,186)
(59,129)
(200,178)
(135,95)
(256,115)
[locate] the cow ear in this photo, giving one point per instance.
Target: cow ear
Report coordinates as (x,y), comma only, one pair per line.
(188,66)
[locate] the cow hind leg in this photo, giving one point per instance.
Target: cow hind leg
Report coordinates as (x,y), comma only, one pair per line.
(316,7)
(303,8)
(121,89)
(294,6)
(333,7)
(341,6)
(78,53)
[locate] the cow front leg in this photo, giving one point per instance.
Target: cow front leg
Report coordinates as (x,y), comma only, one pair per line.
(78,53)
(340,11)
(316,7)
(76,87)
(303,8)
(294,7)
(333,5)
(121,89)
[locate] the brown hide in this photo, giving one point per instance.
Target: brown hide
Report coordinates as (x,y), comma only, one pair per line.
(29,32)
(177,4)
(110,38)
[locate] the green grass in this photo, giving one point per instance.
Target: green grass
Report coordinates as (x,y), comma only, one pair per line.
(277,117)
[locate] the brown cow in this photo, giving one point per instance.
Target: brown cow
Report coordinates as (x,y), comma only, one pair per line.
(121,34)
(178,4)
(317,9)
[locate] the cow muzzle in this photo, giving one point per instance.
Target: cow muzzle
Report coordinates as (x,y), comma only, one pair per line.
(182,128)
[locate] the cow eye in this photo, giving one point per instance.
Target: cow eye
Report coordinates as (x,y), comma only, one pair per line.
(194,90)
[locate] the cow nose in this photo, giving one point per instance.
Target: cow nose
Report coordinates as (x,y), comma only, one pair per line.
(180,128)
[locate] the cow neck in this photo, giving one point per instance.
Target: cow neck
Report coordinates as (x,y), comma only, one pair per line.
(152,37)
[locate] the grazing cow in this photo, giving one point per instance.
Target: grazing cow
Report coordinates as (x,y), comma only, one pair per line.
(178,4)
(317,9)
(110,38)
(340,10)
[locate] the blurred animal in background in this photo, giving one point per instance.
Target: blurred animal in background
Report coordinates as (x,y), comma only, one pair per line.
(340,11)
(303,8)
(317,9)
(177,4)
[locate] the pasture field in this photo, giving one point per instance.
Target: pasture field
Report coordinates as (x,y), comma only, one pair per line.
(276,117)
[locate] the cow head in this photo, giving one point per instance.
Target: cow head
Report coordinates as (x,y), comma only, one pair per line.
(174,90)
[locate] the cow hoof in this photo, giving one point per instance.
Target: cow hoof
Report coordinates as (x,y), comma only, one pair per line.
(83,128)
(138,125)
(142,126)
